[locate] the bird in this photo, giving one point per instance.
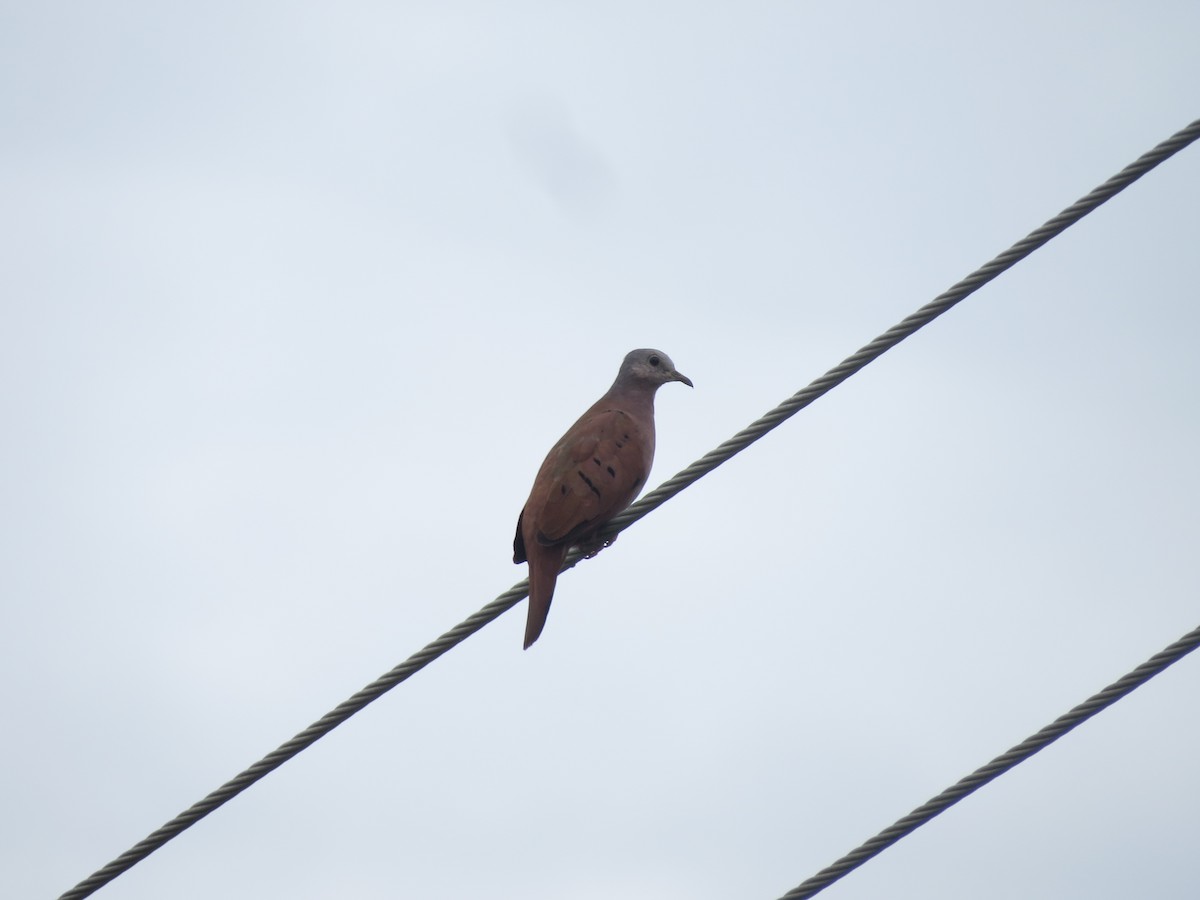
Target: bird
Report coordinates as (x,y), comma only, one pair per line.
(592,473)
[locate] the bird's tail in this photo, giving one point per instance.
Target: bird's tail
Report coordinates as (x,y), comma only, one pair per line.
(544,564)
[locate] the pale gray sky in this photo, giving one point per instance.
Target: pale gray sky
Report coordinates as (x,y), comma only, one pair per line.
(295,297)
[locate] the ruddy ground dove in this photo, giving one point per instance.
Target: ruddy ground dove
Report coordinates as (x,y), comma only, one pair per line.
(592,473)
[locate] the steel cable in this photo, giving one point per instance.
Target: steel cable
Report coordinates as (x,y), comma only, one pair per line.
(997,767)
(646,504)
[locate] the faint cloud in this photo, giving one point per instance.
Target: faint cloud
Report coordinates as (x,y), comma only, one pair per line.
(561,161)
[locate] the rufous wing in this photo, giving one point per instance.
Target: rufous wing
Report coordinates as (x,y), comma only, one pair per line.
(593,473)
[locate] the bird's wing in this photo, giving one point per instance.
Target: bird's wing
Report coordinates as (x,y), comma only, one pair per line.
(592,474)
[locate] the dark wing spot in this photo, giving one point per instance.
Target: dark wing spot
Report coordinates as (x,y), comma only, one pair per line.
(612,471)
(591,487)
(596,460)
(562,489)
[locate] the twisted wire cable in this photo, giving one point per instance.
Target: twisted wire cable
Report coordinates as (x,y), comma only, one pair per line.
(997,767)
(894,335)
(646,504)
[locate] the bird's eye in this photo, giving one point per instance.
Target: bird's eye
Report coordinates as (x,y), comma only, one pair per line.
(654,360)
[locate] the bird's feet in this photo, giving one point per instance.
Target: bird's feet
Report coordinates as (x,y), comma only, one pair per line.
(594,546)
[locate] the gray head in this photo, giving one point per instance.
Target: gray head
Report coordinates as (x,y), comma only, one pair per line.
(648,368)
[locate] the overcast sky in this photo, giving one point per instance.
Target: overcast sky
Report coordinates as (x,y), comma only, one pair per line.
(294,298)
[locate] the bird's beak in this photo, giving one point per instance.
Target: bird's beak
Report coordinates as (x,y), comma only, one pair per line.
(679,376)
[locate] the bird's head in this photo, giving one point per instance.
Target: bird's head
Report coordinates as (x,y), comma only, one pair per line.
(652,367)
